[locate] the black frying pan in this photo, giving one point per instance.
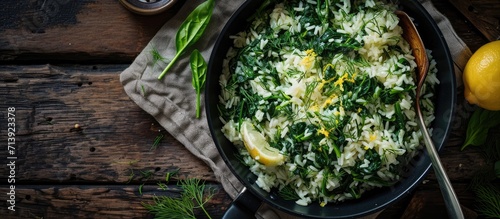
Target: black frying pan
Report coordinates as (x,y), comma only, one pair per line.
(250,199)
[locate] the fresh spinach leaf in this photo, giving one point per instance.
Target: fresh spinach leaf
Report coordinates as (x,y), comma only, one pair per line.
(191,30)
(199,72)
(479,124)
(375,162)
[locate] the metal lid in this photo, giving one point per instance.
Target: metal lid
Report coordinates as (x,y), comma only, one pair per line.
(147,7)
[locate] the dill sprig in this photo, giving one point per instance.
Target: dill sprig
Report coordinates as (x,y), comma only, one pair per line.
(288,193)
(193,196)
(157,57)
(486,191)
(487,195)
(156,142)
(175,208)
(488,201)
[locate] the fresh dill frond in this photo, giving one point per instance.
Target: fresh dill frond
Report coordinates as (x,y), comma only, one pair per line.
(162,186)
(195,189)
(157,57)
(488,200)
(487,195)
(310,87)
(174,208)
(193,196)
(288,193)
(168,177)
(147,174)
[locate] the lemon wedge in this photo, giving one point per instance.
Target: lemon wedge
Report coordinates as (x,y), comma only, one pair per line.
(258,147)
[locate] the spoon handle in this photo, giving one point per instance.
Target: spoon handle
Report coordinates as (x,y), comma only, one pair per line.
(449,196)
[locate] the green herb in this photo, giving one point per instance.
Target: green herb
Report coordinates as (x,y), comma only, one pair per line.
(487,195)
(143,90)
(157,56)
(168,177)
(157,141)
(147,174)
(140,188)
(199,70)
(288,193)
(162,186)
(488,202)
(479,124)
(375,162)
(192,196)
(191,30)
(174,208)
(400,117)
(171,174)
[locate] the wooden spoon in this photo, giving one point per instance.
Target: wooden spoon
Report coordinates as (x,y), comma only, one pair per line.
(411,35)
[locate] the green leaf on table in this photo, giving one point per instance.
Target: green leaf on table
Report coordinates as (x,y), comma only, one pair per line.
(199,72)
(191,30)
(479,124)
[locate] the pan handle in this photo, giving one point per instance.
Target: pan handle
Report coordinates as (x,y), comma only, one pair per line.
(244,206)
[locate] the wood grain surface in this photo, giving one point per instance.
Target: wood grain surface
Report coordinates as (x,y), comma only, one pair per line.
(60,62)
(483,15)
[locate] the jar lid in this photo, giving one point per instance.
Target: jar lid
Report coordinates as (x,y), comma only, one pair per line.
(147,7)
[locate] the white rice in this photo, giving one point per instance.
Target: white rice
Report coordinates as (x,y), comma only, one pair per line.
(351,141)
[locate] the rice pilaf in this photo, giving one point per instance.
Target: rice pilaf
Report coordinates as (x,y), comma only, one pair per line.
(330,84)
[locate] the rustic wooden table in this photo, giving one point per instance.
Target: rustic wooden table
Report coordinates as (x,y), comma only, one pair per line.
(60,62)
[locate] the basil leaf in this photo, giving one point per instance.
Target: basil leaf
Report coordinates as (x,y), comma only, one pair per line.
(479,124)
(191,30)
(199,73)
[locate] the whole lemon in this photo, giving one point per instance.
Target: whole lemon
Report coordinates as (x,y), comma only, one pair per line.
(481,77)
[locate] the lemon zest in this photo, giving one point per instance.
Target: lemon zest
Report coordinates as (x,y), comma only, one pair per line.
(341,80)
(324,132)
(309,59)
(373,137)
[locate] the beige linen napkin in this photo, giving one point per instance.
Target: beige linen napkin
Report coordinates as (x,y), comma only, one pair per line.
(172,100)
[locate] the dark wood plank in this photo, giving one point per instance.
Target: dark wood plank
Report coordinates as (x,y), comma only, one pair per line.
(96,201)
(463,27)
(105,32)
(75,31)
(426,201)
(115,135)
(484,15)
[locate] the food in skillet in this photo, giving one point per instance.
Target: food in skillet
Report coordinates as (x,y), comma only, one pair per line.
(319,98)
